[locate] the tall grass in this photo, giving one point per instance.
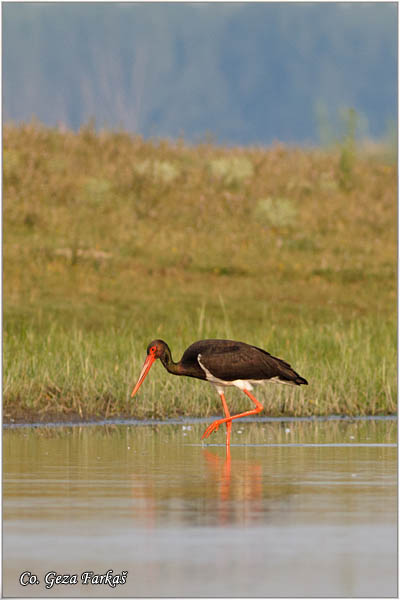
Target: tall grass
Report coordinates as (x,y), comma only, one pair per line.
(92,373)
(111,241)
(350,367)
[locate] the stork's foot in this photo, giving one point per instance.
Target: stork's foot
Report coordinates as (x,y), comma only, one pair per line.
(213,427)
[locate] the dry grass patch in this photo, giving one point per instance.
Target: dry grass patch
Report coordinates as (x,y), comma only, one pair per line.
(110,241)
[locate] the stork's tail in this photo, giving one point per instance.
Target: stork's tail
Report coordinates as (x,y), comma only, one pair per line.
(300,380)
(289,375)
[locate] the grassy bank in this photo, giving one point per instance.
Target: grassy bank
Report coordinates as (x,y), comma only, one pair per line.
(111,241)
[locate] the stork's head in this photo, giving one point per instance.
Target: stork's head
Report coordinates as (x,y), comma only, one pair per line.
(156,349)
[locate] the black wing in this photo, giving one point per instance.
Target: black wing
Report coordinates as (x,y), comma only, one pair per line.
(229,360)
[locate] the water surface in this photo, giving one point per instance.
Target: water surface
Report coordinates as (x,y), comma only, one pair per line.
(300,508)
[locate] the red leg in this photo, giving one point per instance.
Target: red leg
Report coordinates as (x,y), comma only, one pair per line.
(214,426)
(228,415)
(227,420)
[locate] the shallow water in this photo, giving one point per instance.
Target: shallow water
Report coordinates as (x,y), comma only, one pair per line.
(300,508)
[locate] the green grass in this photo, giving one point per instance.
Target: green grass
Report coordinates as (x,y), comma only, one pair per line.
(111,241)
(69,371)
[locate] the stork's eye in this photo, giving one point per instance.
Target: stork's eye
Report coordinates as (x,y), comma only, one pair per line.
(153,349)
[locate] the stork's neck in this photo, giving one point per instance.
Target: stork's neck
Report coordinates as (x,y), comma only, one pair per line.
(169,364)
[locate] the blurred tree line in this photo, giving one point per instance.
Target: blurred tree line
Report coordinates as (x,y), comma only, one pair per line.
(241,72)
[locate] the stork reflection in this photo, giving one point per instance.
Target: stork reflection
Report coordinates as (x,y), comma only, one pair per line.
(239,487)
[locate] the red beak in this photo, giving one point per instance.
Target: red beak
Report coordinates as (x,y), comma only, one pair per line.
(146,368)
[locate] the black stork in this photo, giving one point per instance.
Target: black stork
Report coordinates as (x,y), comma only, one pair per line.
(223,363)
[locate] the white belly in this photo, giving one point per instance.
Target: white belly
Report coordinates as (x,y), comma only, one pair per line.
(242,384)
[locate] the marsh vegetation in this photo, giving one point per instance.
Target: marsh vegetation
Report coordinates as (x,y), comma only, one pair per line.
(111,241)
